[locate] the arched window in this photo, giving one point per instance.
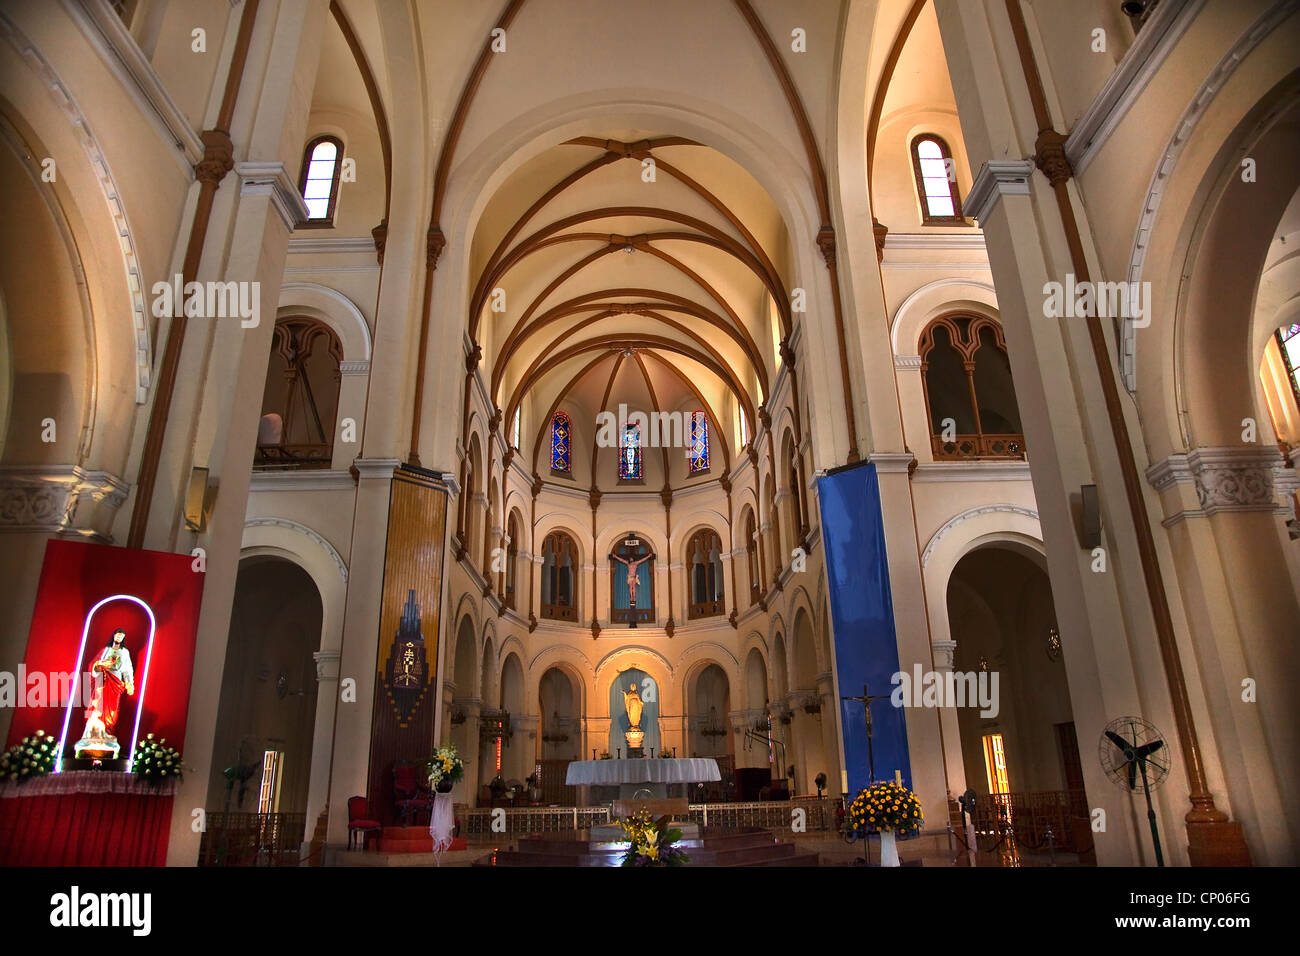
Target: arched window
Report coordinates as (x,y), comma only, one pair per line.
(301,396)
(1288,340)
(699,448)
(751,553)
(321,165)
(512,561)
(514,427)
(559,574)
(629,454)
(970,397)
(936,181)
(561,445)
(798,525)
(632,550)
(704,574)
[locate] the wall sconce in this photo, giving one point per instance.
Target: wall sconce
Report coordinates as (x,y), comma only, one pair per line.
(196,501)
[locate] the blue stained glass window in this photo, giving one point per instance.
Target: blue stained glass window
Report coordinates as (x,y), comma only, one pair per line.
(699,450)
(629,457)
(561,443)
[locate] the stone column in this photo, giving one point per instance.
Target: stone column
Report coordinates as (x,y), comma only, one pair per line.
(327,695)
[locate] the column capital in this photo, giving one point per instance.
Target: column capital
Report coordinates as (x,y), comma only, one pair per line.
(997,178)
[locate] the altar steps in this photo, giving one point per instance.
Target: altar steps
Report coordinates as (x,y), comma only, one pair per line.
(410,840)
(717,847)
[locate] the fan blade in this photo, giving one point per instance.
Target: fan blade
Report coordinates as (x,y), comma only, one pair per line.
(1118,741)
(1149,748)
(1132,774)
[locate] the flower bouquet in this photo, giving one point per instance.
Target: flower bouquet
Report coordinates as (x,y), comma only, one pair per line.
(445,768)
(32,757)
(889,809)
(155,762)
(651,841)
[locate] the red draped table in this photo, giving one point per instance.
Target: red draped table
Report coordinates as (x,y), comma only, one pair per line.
(85,818)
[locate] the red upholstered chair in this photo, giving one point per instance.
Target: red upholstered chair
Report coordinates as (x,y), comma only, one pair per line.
(359,821)
(409,796)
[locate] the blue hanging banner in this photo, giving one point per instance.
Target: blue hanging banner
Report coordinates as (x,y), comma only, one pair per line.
(862,618)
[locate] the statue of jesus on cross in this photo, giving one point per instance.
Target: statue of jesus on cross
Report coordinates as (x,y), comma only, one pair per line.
(631,579)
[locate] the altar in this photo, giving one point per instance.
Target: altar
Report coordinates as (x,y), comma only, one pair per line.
(642,776)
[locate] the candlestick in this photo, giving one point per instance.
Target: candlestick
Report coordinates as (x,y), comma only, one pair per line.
(593,753)
(844,781)
(898,777)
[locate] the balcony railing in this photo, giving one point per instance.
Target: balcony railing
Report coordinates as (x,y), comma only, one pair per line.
(975,447)
(818,815)
(292,457)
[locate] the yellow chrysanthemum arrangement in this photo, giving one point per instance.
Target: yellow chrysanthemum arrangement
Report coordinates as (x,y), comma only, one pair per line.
(885,806)
(651,842)
(445,766)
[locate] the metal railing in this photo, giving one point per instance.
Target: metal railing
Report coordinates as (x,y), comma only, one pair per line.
(967,447)
(818,816)
(252,839)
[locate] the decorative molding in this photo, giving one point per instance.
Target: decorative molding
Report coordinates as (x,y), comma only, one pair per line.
(996,178)
(347,305)
(1226,480)
(141,321)
(117,48)
(60,499)
(310,245)
(1164,166)
(327,665)
(272,179)
(1157,39)
(355,368)
(966,516)
(306,532)
(891,462)
(376,467)
(902,362)
(323,480)
(918,295)
(937,242)
(973,471)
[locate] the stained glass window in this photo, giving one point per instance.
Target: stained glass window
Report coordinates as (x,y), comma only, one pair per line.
(629,457)
(1288,340)
(320,178)
(699,450)
(561,443)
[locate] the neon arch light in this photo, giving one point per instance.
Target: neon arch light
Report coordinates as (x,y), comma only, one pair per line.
(144,680)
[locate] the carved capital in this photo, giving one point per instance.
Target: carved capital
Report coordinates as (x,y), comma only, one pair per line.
(725,482)
(435,242)
(380,235)
(494,422)
(218,157)
(826,244)
(595,629)
(1049,156)
(532,622)
(787,353)
(473,358)
(880,230)
(670,626)
(765,417)
(593,496)
(666,496)
(537,484)
(734,619)
(60,499)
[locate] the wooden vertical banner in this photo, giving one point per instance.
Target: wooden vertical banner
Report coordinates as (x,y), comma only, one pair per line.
(409,618)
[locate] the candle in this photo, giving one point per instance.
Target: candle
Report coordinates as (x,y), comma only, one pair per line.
(898,777)
(844,781)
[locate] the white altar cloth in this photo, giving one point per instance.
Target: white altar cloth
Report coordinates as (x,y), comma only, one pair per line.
(646,770)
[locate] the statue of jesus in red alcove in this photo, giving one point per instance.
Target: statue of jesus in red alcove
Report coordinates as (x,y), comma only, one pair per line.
(112,673)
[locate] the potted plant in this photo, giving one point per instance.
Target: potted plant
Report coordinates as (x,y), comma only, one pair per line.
(445,768)
(889,809)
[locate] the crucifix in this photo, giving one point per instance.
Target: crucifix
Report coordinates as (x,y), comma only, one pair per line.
(631,576)
(867,700)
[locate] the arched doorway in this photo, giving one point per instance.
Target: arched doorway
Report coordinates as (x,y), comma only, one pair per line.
(708,732)
(1020,749)
(262,750)
(807,749)
(516,754)
(560,737)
